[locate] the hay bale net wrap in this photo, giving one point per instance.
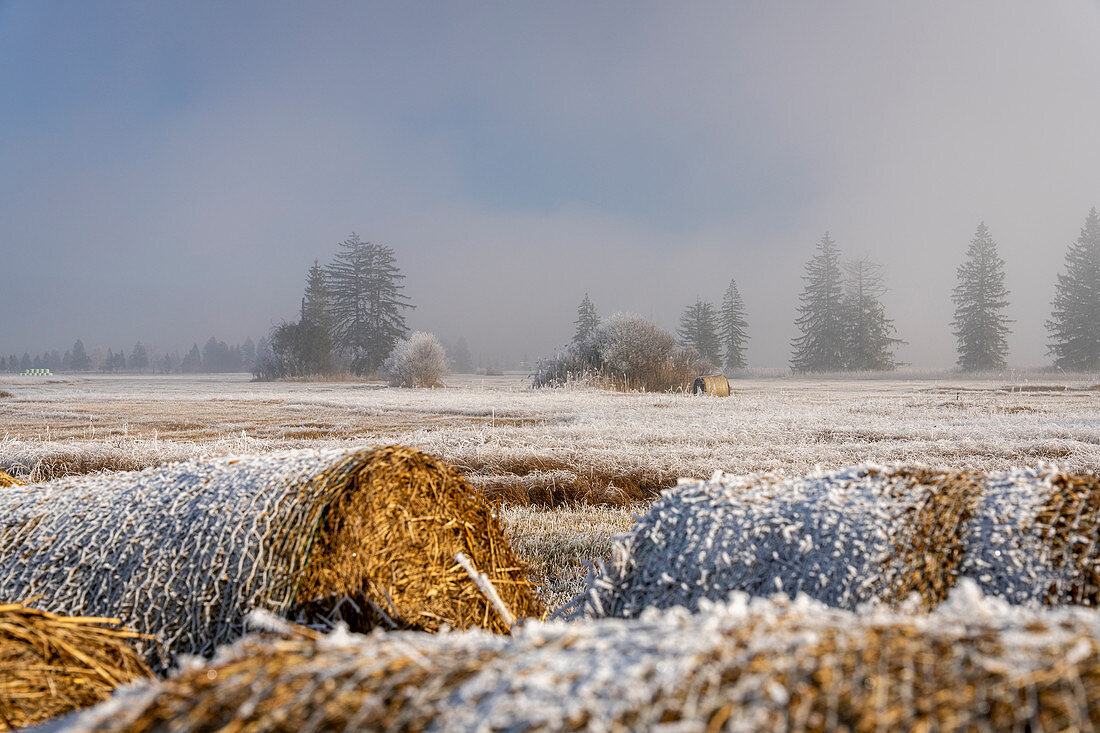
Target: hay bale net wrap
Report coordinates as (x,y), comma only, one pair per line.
(714,384)
(182,552)
(7,479)
(50,665)
(745,664)
(863,534)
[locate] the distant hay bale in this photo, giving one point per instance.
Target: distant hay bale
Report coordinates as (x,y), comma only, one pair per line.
(759,665)
(8,480)
(859,535)
(50,665)
(714,384)
(182,552)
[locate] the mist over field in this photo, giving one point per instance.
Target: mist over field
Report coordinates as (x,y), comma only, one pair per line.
(169,171)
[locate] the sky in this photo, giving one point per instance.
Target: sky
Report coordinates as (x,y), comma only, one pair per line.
(169,171)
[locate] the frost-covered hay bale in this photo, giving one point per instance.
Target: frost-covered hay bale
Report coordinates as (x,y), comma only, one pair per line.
(182,552)
(862,534)
(8,480)
(759,665)
(50,665)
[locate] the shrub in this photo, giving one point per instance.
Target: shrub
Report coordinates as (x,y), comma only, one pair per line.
(626,352)
(418,361)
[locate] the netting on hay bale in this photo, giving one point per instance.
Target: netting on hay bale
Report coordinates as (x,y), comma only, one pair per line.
(50,665)
(975,663)
(8,480)
(859,535)
(182,552)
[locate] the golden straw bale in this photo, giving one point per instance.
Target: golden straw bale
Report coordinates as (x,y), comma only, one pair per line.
(50,665)
(9,480)
(712,384)
(182,552)
(858,535)
(765,665)
(395,543)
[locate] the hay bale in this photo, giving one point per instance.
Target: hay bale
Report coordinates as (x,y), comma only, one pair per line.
(182,552)
(8,480)
(859,535)
(50,665)
(714,384)
(746,665)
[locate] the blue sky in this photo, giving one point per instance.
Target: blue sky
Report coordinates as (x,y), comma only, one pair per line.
(168,171)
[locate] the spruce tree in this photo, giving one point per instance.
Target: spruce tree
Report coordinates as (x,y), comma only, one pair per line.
(1075,322)
(81,362)
(192,361)
(869,341)
(461,363)
(317,305)
(820,347)
(733,328)
(139,357)
(312,338)
(699,330)
(367,303)
(587,321)
(980,299)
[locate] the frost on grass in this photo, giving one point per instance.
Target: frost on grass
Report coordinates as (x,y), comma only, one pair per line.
(858,535)
(560,545)
(556,445)
(742,665)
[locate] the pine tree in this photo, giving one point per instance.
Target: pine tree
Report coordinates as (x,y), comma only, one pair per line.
(1075,322)
(869,341)
(367,302)
(699,330)
(139,357)
(980,299)
(733,328)
(820,348)
(587,321)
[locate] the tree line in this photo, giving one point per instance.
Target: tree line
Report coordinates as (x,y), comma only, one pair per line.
(215,357)
(843,325)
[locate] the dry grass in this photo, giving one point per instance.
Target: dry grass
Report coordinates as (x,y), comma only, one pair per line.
(50,665)
(547,482)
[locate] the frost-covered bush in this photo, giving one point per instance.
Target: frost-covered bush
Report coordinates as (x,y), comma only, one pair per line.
(418,361)
(625,352)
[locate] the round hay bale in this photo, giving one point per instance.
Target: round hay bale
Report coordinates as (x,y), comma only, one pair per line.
(714,384)
(182,552)
(8,480)
(859,535)
(50,665)
(759,665)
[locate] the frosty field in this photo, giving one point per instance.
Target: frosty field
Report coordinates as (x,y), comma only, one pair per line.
(570,467)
